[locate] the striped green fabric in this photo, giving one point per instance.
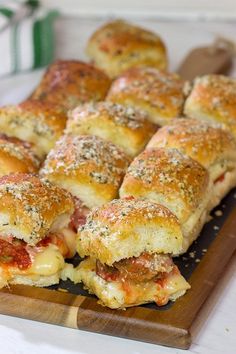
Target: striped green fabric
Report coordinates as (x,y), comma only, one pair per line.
(26,36)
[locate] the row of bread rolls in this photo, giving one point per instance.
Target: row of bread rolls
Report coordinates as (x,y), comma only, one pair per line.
(90,159)
(166,196)
(41,119)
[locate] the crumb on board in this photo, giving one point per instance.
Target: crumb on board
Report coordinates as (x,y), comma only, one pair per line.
(192,254)
(62,290)
(197,260)
(215,227)
(218,213)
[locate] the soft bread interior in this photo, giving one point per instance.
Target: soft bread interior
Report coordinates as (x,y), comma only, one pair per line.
(111,132)
(151,237)
(19,231)
(87,193)
(113,294)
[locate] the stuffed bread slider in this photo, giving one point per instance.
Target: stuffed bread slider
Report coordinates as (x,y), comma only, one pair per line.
(129,243)
(68,83)
(119,45)
(181,184)
(38,123)
(213,98)
(16,156)
(90,168)
(34,230)
(209,144)
(125,127)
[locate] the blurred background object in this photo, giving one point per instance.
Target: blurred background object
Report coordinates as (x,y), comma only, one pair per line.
(26,36)
(188,9)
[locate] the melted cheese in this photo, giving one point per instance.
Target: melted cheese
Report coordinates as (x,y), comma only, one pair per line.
(70,239)
(120,295)
(46,262)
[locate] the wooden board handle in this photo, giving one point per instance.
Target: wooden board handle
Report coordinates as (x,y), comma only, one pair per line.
(214,59)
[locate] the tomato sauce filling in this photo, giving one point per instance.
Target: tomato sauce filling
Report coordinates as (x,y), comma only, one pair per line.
(79,216)
(220,178)
(14,254)
(17,253)
(136,269)
(139,271)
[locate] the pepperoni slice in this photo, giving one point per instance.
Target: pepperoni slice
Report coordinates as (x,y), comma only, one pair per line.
(80,214)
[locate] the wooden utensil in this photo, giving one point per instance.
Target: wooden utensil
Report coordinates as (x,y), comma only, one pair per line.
(214,59)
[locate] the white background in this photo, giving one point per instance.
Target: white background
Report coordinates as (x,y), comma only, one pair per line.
(146,7)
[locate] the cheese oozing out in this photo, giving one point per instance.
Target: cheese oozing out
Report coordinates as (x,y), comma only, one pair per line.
(118,294)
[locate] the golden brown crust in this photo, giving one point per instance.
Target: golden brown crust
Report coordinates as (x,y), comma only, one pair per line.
(38,123)
(125,228)
(127,128)
(119,45)
(68,83)
(158,93)
(89,167)
(31,207)
(15,156)
(205,142)
(213,97)
(169,178)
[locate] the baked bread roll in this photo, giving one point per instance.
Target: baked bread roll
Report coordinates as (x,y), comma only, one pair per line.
(207,143)
(119,45)
(34,231)
(129,243)
(158,93)
(174,180)
(213,98)
(68,83)
(87,166)
(38,123)
(16,156)
(127,128)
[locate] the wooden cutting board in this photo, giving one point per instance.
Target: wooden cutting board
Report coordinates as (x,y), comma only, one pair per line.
(175,324)
(172,325)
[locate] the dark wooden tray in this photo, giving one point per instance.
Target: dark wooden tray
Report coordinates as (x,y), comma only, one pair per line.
(174,324)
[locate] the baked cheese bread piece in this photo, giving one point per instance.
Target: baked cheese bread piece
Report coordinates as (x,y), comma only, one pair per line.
(128,244)
(16,156)
(90,168)
(119,45)
(213,98)
(168,177)
(209,144)
(38,123)
(35,233)
(158,93)
(125,127)
(68,83)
